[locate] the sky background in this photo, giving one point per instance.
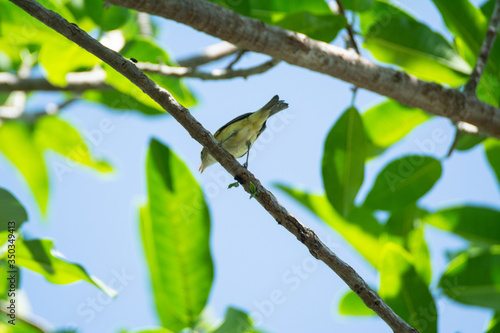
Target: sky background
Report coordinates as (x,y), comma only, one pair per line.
(93,219)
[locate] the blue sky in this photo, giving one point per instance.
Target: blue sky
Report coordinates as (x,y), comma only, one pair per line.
(259,266)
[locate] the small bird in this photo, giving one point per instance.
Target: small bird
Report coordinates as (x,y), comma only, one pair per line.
(238,135)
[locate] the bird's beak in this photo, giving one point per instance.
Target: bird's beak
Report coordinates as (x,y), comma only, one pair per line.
(201,168)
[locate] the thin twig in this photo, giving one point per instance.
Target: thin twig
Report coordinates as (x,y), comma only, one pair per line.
(216,74)
(95,81)
(304,234)
(482,59)
(211,53)
(484,52)
(236,59)
(348,27)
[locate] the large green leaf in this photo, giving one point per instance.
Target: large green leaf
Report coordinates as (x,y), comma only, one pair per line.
(476,224)
(403,41)
(343,165)
(494,326)
(145,50)
(357,5)
(352,305)
(361,229)
(467,23)
(401,228)
(492,149)
(58,48)
(474,278)
(12,214)
(16,143)
(37,255)
(11,210)
(405,291)
(235,321)
(403,182)
(121,101)
(54,133)
(389,122)
(313,18)
(175,228)
(107,17)
(469,26)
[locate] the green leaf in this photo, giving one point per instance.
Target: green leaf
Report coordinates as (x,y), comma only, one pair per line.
(357,5)
(401,229)
(468,141)
(361,230)
(494,326)
(56,134)
(57,48)
(146,50)
(235,321)
(405,291)
(474,278)
(403,182)
(12,214)
(16,143)
(11,210)
(492,149)
(313,18)
(405,42)
(469,26)
(352,305)
(320,27)
(108,18)
(37,255)
(389,122)
(467,23)
(343,165)
(121,101)
(476,224)
(175,227)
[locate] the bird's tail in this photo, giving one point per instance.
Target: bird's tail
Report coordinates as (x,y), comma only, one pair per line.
(274,106)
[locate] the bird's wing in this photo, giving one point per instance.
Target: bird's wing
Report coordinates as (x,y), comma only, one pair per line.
(243,116)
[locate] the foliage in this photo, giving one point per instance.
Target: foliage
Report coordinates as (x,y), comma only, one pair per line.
(175,222)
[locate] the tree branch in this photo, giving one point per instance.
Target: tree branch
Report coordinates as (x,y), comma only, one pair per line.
(304,234)
(298,49)
(211,53)
(216,74)
(94,81)
(484,52)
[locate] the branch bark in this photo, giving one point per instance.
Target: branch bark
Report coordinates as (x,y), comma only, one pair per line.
(304,234)
(297,49)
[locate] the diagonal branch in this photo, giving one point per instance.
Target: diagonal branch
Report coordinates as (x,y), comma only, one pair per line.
(95,81)
(484,52)
(297,49)
(304,234)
